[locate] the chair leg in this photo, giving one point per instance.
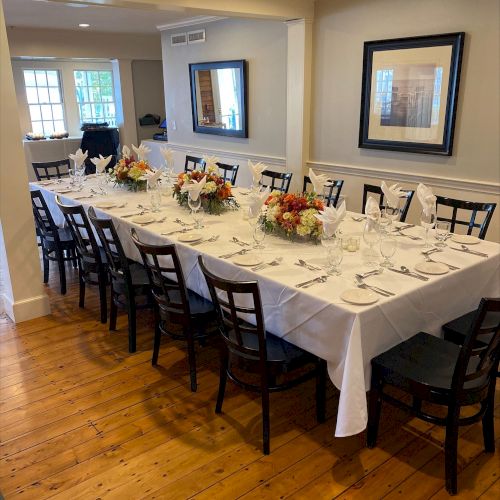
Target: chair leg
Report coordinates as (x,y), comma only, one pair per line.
(112,312)
(131,325)
(157,339)
(450,449)
(191,359)
(224,360)
(374,408)
(102,299)
(62,272)
(488,420)
(81,302)
(45,267)
(75,258)
(321,390)
(266,431)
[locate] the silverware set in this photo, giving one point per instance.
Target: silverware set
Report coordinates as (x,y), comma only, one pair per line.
(404,270)
(182,223)
(307,284)
(429,259)
(273,263)
(466,249)
(304,264)
(239,242)
(152,222)
(177,231)
(213,238)
(398,231)
(361,284)
(232,254)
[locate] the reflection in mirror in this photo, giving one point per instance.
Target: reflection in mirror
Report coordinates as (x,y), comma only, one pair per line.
(218,98)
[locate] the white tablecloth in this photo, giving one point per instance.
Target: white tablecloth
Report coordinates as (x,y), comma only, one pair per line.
(316,319)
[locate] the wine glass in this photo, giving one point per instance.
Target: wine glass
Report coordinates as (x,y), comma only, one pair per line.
(371,236)
(442,232)
(385,220)
(195,206)
(259,234)
(427,221)
(334,253)
(388,245)
(154,196)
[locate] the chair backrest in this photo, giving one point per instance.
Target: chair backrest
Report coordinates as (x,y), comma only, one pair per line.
(51,169)
(83,235)
(277,180)
(228,172)
(331,197)
(370,188)
(194,163)
(166,279)
(44,221)
(117,260)
(473,207)
(480,353)
(236,298)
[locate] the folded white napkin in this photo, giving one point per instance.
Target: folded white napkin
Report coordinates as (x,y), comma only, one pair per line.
(318,181)
(152,177)
(194,188)
(256,200)
(372,211)
(126,152)
(101,163)
(211,162)
(331,218)
(79,157)
(392,194)
(426,198)
(256,169)
(142,152)
(168,156)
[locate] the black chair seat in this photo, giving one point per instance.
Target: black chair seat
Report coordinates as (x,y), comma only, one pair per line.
(457,329)
(65,236)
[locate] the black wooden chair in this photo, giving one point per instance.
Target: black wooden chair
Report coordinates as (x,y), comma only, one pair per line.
(331,197)
(174,303)
(57,243)
(442,373)
(129,280)
(474,207)
(228,172)
(92,264)
(194,163)
(249,349)
(370,188)
(279,181)
(51,169)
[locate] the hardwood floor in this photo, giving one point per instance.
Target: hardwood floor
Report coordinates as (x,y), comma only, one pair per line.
(81,418)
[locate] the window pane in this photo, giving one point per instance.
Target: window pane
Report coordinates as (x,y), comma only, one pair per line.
(59,126)
(41,78)
(82,94)
(80,78)
(29,78)
(43,94)
(95,94)
(93,77)
(37,127)
(109,110)
(52,79)
(97,111)
(35,113)
(106,78)
(86,112)
(55,95)
(48,127)
(57,112)
(107,94)
(32,95)
(46,111)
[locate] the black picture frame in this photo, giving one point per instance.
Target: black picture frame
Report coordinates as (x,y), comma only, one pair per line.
(389,119)
(239,64)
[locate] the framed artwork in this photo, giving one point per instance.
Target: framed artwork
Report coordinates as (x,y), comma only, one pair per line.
(409,93)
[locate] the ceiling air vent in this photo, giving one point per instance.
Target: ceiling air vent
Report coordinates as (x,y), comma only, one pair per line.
(197,36)
(178,39)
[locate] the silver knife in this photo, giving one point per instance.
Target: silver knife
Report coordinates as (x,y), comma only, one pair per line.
(473,252)
(412,275)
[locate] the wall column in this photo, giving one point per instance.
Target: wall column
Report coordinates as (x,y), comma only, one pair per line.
(22,295)
(298,98)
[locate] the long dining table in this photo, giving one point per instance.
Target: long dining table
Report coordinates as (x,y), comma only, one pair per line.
(316,319)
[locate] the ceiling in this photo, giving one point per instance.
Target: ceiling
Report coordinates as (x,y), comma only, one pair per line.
(55,15)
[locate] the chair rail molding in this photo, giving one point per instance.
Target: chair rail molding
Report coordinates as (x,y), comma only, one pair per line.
(472,185)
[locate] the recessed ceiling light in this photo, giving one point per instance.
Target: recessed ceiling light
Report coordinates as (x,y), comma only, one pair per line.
(84,25)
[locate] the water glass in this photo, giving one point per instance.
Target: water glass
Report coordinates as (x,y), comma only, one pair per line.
(76,178)
(427,221)
(259,234)
(195,206)
(155,198)
(371,236)
(334,254)
(388,245)
(102,182)
(442,232)
(392,213)
(385,220)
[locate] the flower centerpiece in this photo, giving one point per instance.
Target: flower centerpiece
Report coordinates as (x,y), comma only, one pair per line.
(130,171)
(216,195)
(293,215)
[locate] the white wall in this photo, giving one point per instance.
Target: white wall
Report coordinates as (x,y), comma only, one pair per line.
(341,27)
(263,45)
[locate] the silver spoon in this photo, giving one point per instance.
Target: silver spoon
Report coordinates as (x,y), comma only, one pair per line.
(407,271)
(303,263)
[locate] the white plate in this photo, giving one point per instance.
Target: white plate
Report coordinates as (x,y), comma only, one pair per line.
(359,296)
(465,239)
(190,237)
(105,204)
(142,219)
(46,183)
(247,260)
(64,190)
(432,268)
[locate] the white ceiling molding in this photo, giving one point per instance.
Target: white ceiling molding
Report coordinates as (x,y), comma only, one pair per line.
(191,21)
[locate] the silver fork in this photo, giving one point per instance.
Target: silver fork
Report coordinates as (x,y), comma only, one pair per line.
(399,233)
(310,267)
(275,262)
(307,284)
(376,289)
(232,254)
(428,259)
(215,237)
(240,242)
(184,230)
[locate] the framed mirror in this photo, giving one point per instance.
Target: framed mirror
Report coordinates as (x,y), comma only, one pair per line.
(219,98)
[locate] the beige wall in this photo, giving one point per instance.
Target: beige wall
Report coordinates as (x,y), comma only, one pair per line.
(73,44)
(147,77)
(263,45)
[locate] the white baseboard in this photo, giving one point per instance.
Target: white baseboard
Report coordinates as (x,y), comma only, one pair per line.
(23,310)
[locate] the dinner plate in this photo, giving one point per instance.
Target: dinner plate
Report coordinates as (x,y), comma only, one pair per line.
(432,268)
(142,219)
(247,260)
(359,296)
(64,190)
(465,239)
(105,204)
(190,237)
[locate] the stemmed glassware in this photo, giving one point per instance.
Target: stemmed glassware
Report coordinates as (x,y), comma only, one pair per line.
(76,178)
(388,245)
(427,221)
(334,253)
(371,236)
(196,210)
(154,196)
(259,234)
(442,232)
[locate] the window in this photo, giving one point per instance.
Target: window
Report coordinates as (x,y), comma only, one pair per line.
(94,95)
(45,101)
